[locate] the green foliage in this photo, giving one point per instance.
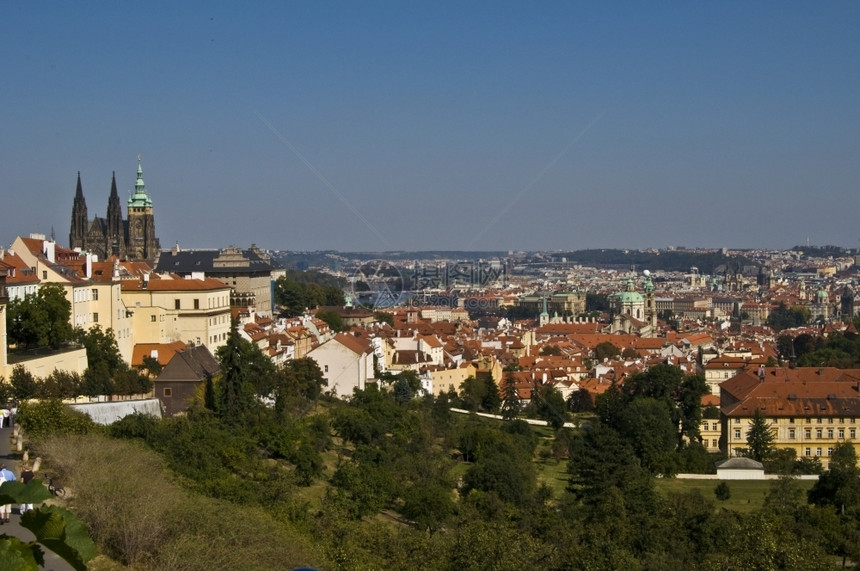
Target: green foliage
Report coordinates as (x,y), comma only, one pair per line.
(548,404)
(480,394)
(60,385)
(332,318)
(40,319)
(24,384)
(760,438)
(784,317)
(722,491)
(298,385)
(151,366)
(245,372)
(840,485)
(681,393)
(550,350)
(54,528)
(47,417)
(596,302)
(511,404)
(296,296)
(606,350)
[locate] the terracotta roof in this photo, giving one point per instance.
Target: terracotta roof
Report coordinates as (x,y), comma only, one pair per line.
(355,344)
(181,284)
(806,391)
(164,352)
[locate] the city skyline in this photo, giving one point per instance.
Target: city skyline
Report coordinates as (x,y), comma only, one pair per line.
(490,126)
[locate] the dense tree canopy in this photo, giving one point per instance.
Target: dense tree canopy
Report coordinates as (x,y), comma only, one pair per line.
(40,319)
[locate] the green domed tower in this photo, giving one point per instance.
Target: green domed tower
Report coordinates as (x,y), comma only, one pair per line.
(142,242)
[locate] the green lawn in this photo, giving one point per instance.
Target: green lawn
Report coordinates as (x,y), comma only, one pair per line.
(746,495)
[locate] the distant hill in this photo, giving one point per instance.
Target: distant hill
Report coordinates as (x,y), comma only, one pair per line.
(708,262)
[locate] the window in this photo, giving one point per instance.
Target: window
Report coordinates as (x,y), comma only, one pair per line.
(829,433)
(737,434)
(196,304)
(95,317)
(807,452)
(791,421)
(830,421)
(714,443)
(830,451)
(791,433)
(841,433)
(44,274)
(325,369)
(807,433)
(152,318)
(175,304)
(818,420)
(852,433)
(167,392)
(737,421)
(818,451)
(818,433)
(715,427)
(95,295)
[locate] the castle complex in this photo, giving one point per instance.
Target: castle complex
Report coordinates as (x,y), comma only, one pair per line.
(132,238)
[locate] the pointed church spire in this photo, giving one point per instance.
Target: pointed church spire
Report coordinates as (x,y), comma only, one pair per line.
(79,193)
(113,191)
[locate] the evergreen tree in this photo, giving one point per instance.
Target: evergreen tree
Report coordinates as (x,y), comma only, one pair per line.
(511,402)
(235,395)
(760,438)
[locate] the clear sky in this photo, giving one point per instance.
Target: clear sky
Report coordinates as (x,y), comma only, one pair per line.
(438,125)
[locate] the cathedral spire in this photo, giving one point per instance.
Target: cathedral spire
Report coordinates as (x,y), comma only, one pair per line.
(79,193)
(80,221)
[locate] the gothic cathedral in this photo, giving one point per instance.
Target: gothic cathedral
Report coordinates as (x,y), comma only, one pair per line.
(132,239)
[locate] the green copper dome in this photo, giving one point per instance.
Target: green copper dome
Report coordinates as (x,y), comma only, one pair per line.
(140,199)
(630,296)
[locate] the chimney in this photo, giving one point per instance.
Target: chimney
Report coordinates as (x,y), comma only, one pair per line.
(89,265)
(50,251)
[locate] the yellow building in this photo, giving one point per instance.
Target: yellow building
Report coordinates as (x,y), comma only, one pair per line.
(810,409)
(166,309)
(95,300)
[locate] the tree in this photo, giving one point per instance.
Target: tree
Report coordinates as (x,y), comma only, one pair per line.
(760,439)
(472,393)
(492,400)
(332,318)
(722,491)
(511,402)
(40,319)
(580,401)
(840,485)
(606,350)
(235,392)
(104,361)
(548,404)
(24,385)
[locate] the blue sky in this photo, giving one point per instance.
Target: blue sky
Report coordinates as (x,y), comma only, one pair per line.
(438,125)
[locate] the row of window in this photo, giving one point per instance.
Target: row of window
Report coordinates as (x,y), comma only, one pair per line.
(808,451)
(819,420)
(819,433)
(196,303)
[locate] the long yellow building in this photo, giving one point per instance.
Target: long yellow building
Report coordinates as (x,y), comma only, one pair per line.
(810,409)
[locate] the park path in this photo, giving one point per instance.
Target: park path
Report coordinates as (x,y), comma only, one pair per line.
(12,459)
